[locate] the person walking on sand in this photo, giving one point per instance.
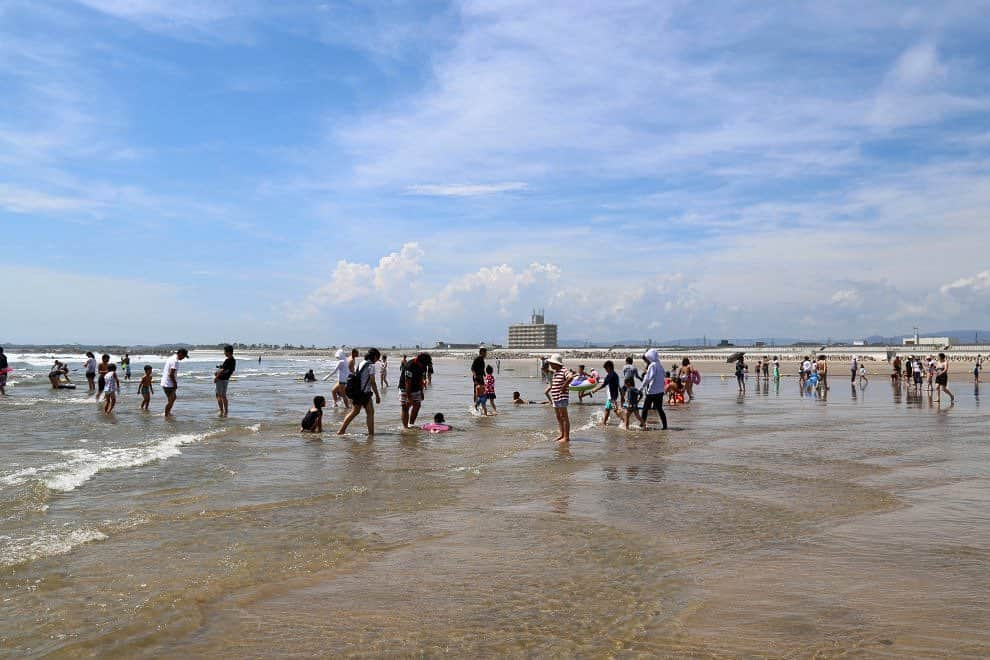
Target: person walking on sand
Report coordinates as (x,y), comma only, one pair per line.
(90,366)
(360,386)
(478,372)
(170,378)
(942,379)
(412,382)
(557,393)
(653,388)
(222,378)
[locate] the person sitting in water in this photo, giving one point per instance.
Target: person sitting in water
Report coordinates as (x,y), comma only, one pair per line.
(675,393)
(313,421)
(519,401)
(310,377)
(439,425)
(58,375)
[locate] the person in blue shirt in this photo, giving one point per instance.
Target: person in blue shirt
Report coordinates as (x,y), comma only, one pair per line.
(611,381)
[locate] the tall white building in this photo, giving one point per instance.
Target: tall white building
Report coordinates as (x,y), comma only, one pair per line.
(536,334)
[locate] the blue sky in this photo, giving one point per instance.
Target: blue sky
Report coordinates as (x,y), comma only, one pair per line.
(357,172)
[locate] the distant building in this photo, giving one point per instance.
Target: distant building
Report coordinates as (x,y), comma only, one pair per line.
(724,343)
(928,341)
(443,345)
(536,334)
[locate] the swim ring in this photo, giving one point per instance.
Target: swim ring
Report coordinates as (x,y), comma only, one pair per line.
(436,428)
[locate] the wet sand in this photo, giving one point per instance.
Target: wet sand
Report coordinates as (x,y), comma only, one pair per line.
(769,525)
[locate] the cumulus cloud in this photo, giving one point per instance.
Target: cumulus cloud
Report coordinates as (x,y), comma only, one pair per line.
(390,281)
(493,290)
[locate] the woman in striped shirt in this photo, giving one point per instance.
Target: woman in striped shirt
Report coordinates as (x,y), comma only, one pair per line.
(557,393)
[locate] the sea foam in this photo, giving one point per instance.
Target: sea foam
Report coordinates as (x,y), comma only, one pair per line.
(81,465)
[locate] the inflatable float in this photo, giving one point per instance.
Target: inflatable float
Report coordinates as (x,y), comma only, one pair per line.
(8,370)
(436,428)
(584,383)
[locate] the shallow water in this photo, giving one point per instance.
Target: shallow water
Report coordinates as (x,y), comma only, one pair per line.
(764,525)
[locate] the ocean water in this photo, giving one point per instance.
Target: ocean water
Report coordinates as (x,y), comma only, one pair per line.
(769,524)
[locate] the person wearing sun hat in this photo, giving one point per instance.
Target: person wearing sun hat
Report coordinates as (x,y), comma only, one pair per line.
(557,393)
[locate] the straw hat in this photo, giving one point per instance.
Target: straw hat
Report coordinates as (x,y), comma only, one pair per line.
(555,359)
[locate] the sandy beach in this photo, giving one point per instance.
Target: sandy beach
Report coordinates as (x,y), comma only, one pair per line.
(766,524)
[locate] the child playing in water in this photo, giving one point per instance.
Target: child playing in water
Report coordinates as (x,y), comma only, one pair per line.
(144,387)
(611,381)
(313,421)
(112,384)
(632,402)
(519,401)
(490,386)
(480,399)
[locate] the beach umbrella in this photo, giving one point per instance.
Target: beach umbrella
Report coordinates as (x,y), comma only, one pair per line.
(735,356)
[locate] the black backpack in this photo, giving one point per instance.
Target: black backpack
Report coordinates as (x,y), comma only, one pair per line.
(353,388)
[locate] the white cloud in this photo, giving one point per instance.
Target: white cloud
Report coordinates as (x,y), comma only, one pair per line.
(465,189)
(22,200)
(966,288)
(390,282)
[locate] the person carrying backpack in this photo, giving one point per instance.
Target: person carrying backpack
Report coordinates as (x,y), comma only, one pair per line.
(359,388)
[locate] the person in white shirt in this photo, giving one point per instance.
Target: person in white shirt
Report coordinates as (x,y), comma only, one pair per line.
(170,378)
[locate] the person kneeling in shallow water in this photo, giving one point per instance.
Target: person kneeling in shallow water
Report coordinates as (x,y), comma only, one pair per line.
(313,421)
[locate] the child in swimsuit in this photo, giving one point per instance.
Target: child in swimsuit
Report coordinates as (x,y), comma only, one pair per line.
(632,403)
(144,387)
(110,391)
(313,421)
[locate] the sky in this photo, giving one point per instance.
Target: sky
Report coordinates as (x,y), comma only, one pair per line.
(406,172)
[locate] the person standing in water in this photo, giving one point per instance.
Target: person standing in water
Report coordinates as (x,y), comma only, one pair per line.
(942,379)
(90,366)
(653,388)
(222,378)
(125,364)
(741,376)
(977,367)
(384,371)
(557,393)
(412,381)
(3,373)
(366,386)
(342,371)
(478,372)
(111,389)
(170,378)
(102,370)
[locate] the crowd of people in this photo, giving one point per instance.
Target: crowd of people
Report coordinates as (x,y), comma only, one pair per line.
(359,381)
